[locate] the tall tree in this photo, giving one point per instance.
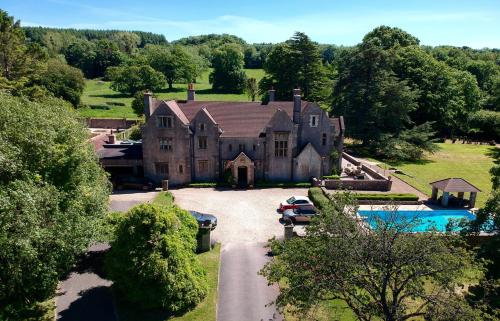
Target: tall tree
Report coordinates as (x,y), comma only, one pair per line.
(52,194)
(107,55)
(294,64)
(176,63)
(251,88)
(63,81)
(131,79)
(380,273)
(228,74)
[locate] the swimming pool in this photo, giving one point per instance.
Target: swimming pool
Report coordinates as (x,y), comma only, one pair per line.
(422,220)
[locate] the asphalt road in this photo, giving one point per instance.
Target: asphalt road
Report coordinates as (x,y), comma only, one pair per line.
(244,295)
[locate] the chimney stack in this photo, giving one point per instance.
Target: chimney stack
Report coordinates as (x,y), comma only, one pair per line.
(296,105)
(148,104)
(111,139)
(272,94)
(191,92)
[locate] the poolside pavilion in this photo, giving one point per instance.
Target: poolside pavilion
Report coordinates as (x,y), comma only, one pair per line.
(454,185)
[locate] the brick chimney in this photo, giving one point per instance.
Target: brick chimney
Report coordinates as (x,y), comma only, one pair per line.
(296,105)
(111,139)
(191,94)
(148,104)
(272,94)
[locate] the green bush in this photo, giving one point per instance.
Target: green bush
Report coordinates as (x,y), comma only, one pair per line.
(135,133)
(386,197)
(331,177)
(101,107)
(115,103)
(208,184)
(318,198)
(152,260)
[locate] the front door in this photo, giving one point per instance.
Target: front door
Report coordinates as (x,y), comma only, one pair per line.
(242,176)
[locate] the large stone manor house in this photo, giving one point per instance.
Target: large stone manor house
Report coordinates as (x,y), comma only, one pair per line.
(189,141)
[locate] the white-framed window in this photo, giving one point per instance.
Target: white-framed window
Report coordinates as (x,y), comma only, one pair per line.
(313,120)
(166,144)
(165,121)
(281,144)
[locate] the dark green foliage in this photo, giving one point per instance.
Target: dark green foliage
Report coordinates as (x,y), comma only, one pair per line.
(152,259)
(380,273)
(251,88)
(318,198)
(135,133)
(138,103)
(63,81)
(107,54)
(388,37)
(409,145)
(295,63)
(228,74)
(176,63)
(52,194)
(132,79)
(484,125)
(331,177)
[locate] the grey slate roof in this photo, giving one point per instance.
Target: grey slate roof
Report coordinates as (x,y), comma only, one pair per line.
(454,185)
(120,152)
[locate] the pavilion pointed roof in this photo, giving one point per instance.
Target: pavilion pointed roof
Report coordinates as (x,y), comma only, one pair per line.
(454,185)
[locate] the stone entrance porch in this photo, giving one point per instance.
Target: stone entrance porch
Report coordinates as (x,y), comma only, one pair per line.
(242,169)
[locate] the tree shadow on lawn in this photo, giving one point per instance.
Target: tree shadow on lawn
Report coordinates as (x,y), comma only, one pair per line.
(173,90)
(111,96)
(494,152)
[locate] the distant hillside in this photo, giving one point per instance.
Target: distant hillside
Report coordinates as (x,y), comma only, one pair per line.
(37,35)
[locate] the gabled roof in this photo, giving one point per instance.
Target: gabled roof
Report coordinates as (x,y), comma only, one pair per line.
(120,152)
(239,119)
(454,185)
(172,105)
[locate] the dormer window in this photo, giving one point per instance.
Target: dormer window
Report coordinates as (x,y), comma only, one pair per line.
(164,121)
(202,127)
(313,120)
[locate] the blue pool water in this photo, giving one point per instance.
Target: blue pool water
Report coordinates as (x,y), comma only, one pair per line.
(421,221)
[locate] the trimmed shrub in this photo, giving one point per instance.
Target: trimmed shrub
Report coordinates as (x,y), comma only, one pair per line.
(388,197)
(152,260)
(319,199)
(331,177)
(208,184)
(115,103)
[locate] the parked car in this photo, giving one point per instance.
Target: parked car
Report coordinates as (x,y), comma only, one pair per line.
(295,215)
(132,182)
(205,219)
(296,202)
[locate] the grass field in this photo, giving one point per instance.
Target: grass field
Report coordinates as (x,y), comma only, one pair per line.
(99,95)
(471,162)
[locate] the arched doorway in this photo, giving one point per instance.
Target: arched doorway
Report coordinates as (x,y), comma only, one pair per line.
(242,170)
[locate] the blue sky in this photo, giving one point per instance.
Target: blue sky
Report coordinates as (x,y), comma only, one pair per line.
(473,23)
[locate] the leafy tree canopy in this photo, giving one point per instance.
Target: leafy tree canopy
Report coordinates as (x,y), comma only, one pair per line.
(52,194)
(131,79)
(228,74)
(152,259)
(380,273)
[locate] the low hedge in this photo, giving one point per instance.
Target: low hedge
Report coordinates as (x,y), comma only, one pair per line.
(331,177)
(115,103)
(318,198)
(386,197)
(208,184)
(282,184)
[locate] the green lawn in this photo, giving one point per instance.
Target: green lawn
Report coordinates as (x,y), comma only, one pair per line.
(99,95)
(471,162)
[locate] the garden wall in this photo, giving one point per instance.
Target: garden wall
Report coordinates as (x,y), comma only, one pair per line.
(382,185)
(113,123)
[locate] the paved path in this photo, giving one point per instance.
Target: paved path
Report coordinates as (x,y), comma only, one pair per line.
(244,295)
(85,294)
(246,221)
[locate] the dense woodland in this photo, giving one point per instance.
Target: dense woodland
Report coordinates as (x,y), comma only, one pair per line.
(397,96)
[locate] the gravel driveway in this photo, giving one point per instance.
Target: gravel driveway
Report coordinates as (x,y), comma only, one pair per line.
(243,215)
(246,220)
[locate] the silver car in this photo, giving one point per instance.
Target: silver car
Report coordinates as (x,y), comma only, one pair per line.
(296,215)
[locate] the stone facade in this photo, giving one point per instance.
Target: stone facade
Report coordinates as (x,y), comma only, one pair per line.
(189,141)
